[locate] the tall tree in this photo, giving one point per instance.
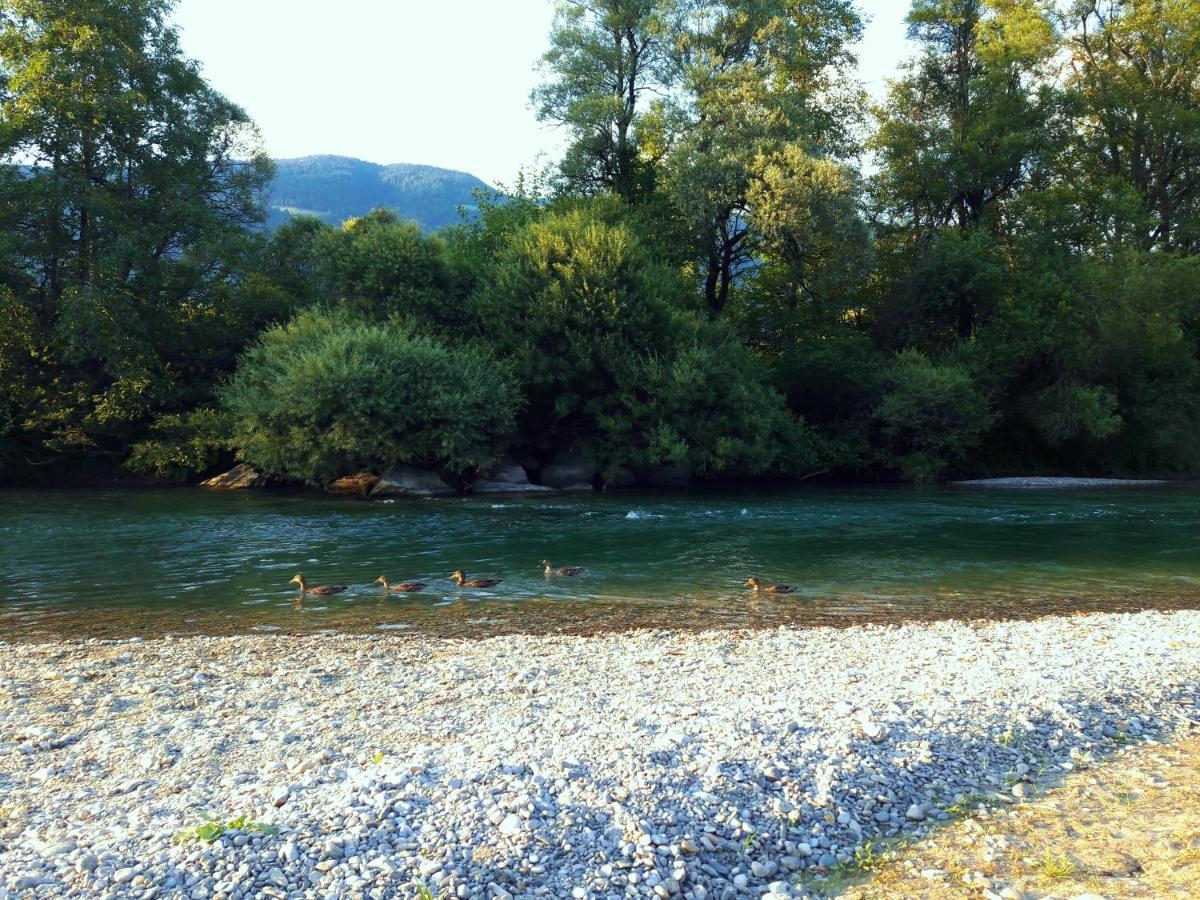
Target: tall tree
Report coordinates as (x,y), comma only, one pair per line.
(126,187)
(966,128)
(962,136)
(754,75)
(605,58)
(1136,155)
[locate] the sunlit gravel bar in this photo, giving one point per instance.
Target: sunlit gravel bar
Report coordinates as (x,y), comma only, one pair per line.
(645,764)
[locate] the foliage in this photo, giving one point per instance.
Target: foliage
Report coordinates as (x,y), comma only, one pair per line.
(127,188)
(211,829)
(710,410)
(180,444)
(575,304)
(753,78)
(1136,114)
(329,394)
(386,267)
(931,417)
(967,127)
(605,57)
(705,279)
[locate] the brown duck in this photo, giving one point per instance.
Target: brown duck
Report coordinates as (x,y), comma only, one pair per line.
(461,580)
(759,587)
(404,587)
(320,590)
(564,570)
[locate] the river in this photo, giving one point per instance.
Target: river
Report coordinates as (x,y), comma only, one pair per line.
(144,563)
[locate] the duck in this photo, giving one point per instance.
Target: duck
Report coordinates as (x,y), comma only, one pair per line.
(320,590)
(461,580)
(404,587)
(564,570)
(759,587)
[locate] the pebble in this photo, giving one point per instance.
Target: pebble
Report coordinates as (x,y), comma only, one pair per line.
(546,766)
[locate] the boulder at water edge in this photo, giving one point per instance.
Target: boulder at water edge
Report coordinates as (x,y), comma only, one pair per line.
(507,476)
(620,478)
(240,478)
(506,470)
(667,476)
(570,471)
(406,481)
(359,485)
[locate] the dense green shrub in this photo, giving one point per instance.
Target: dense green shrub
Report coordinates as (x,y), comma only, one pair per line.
(834,380)
(710,408)
(932,416)
(576,305)
(329,395)
(182,445)
(383,266)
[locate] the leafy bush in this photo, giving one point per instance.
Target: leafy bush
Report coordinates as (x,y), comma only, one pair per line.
(182,444)
(329,394)
(708,407)
(576,305)
(932,416)
(384,266)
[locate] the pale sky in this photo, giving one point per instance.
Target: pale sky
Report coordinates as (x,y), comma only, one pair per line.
(445,82)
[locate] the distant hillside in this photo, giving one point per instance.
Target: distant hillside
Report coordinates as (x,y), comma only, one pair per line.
(335,188)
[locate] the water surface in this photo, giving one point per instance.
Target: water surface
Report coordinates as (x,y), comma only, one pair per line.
(120,563)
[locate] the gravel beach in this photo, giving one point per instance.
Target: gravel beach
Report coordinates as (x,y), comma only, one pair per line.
(646,764)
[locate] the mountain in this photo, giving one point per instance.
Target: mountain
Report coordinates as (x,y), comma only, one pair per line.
(335,188)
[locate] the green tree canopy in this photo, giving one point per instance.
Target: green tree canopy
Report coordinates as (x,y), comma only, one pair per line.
(127,185)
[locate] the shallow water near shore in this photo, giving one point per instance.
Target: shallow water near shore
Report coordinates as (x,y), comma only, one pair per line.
(145,563)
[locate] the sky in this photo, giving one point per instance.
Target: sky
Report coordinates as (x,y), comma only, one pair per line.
(444,83)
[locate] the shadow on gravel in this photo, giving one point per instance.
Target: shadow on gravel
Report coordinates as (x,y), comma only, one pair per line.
(801,812)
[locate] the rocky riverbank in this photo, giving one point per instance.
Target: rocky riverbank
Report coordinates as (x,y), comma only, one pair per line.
(648,764)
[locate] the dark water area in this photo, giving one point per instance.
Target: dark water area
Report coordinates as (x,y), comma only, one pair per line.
(104,564)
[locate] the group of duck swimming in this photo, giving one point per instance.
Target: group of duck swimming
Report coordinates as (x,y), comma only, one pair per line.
(460,578)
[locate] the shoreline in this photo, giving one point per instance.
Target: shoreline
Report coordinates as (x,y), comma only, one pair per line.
(647,763)
(492,618)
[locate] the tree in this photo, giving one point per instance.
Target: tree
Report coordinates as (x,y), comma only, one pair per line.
(754,77)
(127,185)
(1135,158)
(967,127)
(605,57)
(574,302)
(960,140)
(806,215)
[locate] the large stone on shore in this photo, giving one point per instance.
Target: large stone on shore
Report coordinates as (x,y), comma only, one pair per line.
(240,478)
(507,476)
(408,481)
(668,476)
(620,478)
(569,471)
(509,487)
(506,470)
(359,485)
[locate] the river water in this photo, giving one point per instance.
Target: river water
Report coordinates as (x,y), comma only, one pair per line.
(143,563)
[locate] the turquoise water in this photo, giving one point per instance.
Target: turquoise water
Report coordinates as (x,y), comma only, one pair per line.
(108,563)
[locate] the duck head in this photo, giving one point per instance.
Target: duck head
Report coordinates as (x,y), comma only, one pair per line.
(299,579)
(381,580)
(753,582)
(458,577)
